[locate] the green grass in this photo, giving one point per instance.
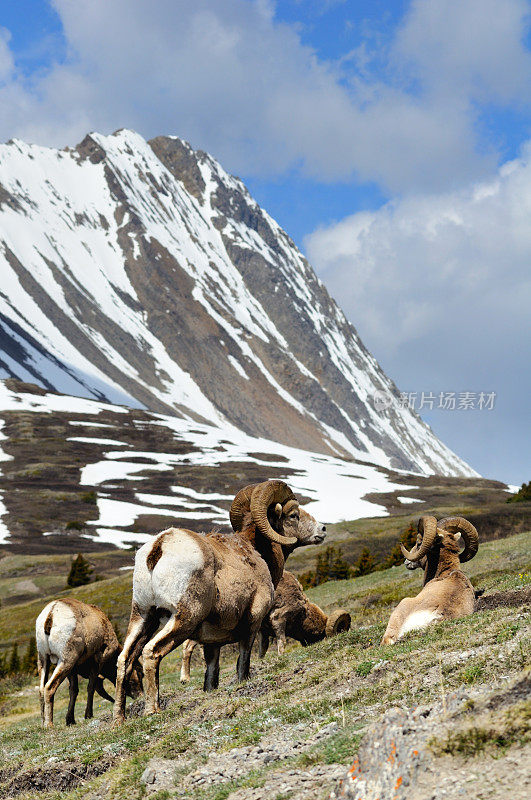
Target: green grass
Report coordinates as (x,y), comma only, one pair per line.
(350,680)
(492,732)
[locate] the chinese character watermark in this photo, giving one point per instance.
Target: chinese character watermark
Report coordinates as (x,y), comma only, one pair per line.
(431,401)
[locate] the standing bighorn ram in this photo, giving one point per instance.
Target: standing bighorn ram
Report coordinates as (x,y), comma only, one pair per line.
(214,588)
(80,640)
(447,592)
(292,615)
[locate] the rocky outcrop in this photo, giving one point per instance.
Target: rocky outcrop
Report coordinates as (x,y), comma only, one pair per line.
(406,754)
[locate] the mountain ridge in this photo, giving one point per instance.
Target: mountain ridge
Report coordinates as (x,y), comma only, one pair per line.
(142,273)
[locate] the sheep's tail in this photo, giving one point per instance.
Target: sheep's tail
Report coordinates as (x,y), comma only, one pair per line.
(48,623)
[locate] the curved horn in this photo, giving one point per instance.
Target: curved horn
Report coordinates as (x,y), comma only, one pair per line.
(263,495)
(240,506)
(337,622)
(427,528)
(468,531)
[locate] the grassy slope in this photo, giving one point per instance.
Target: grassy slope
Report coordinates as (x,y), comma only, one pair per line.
(349,679)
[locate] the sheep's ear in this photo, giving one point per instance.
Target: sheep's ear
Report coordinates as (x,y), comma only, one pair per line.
(278,510)
(457,536)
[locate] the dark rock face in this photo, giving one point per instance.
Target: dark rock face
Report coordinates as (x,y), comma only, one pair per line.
(149,276)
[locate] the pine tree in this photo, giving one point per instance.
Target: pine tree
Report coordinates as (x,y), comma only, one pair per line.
(408,539)
(80,572)
(365,563)
(329,565)
(322,567)
(522,495)
(14,661)
(307,579)
(340,569)
(29,663)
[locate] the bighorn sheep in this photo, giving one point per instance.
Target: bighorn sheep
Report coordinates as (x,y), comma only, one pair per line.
(292,615)
(447,592)
(295,616)
(80,640)
(213,588)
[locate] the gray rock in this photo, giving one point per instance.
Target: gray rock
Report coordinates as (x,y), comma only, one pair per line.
(148,776)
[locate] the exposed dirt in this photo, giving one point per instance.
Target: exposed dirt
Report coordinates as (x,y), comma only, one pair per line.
(505,599)
(57,776)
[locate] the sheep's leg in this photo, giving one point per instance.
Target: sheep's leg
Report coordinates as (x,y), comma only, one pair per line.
(263,642)
(167,639)
(244,659)
(135,630)
(278,623)
(397,619)
(188,649)
(101,691)
(89,708)
(281,642)
(59,674)
(211,652)
(74,691)
(44,671)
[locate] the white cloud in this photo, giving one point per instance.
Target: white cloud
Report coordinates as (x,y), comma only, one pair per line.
(473,48)
(6,58)
(417,265)
(234,81)
(439,287)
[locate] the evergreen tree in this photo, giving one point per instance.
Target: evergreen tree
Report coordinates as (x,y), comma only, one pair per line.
(3,666)
(365,563)
(329,565)
(29,663)
(340,569)
(14,661)
(80,572)
(307,579)
(522,495)
(408,539)
(322,565)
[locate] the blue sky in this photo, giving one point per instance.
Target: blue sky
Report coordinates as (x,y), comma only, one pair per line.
(390,139)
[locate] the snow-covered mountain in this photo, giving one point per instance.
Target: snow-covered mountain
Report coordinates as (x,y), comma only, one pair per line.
(141,273)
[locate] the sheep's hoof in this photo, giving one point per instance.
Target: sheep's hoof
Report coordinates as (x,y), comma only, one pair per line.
(118,721)
(71,721)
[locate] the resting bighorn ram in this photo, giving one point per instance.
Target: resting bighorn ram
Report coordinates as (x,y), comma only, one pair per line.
(292,615)
(214,588)
(80,640)
(447,592)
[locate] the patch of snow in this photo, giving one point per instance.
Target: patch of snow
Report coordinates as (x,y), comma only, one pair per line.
(101,471)
(24,401)
(238,367)
(409,499)
(4,530)
(89,440)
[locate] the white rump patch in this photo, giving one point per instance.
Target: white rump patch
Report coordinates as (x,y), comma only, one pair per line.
(167,583)
(63,625)
(416,620)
